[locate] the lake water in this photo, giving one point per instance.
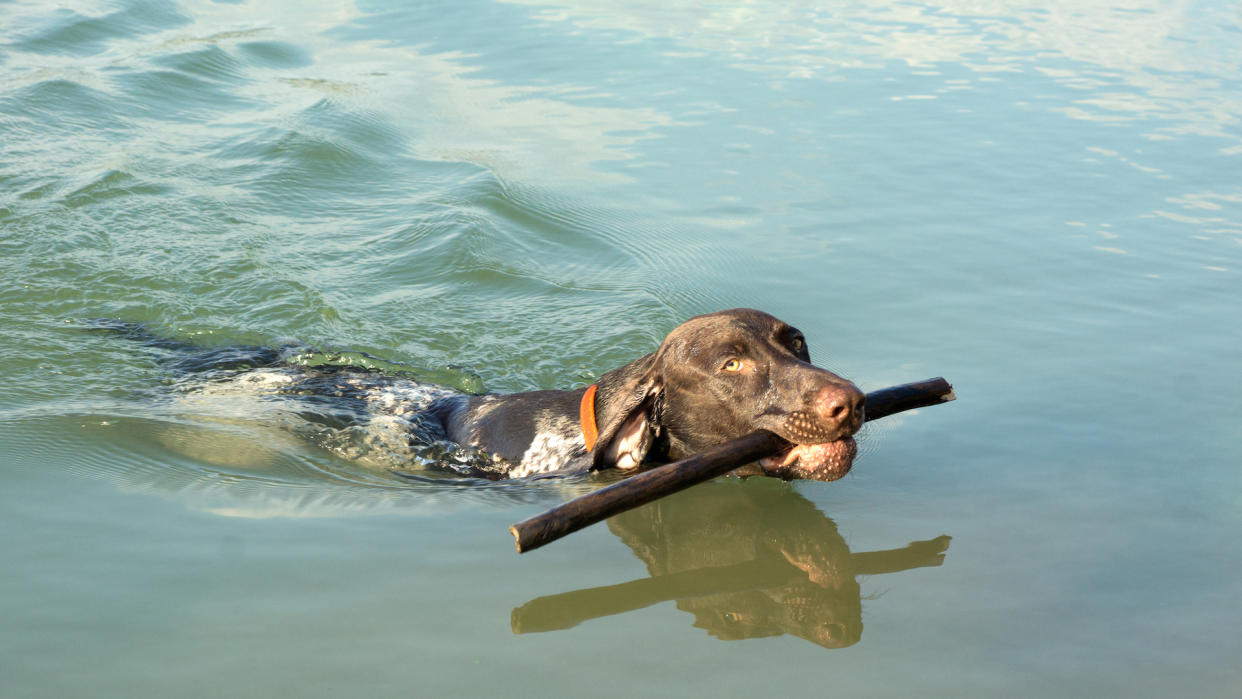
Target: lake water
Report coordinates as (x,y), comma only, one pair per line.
(1040,201)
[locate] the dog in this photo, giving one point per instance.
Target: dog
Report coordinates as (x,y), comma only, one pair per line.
(714,378)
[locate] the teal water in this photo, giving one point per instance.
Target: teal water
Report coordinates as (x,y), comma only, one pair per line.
(1040,201)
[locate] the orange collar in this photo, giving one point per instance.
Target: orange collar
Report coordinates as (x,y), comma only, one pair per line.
(586,416)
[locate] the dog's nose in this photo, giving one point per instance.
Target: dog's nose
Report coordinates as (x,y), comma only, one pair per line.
(841,405)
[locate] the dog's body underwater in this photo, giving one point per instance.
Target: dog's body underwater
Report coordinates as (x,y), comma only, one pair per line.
(714,378)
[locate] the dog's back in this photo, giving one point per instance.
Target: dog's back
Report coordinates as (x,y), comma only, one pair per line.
(374,419)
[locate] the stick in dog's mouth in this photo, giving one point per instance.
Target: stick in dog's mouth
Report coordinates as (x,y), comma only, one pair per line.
(650,485)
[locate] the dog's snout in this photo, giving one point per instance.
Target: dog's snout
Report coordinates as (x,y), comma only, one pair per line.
(841,405)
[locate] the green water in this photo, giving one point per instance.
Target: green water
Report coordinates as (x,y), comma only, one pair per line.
(1041,202)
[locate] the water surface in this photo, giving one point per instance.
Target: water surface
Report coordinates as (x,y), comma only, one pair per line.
(1040,201)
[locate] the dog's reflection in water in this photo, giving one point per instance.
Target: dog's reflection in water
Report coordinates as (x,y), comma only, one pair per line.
(747,558)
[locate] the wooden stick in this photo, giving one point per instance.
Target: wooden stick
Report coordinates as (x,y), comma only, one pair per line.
(664,480)
(907,396)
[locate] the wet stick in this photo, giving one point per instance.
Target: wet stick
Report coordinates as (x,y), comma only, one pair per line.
(664,480)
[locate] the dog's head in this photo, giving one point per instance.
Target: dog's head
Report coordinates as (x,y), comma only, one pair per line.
(721,376)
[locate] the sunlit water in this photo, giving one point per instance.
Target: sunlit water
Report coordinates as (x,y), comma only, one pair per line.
(1040,202)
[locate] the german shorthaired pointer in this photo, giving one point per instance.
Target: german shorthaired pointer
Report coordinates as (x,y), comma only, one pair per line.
(715,377)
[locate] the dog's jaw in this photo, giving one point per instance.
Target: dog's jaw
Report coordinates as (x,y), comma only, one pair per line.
(827,461)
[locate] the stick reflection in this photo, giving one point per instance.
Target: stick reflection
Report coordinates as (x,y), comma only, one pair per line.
(748,559)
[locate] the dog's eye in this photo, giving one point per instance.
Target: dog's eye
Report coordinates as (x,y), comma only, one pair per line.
(732,365)
(797,344)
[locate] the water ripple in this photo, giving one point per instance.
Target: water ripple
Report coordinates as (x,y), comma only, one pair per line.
(69,31)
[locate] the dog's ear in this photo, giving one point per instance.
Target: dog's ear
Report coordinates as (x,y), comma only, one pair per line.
(626,404)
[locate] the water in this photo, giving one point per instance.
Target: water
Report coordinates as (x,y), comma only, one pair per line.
(1040,201)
